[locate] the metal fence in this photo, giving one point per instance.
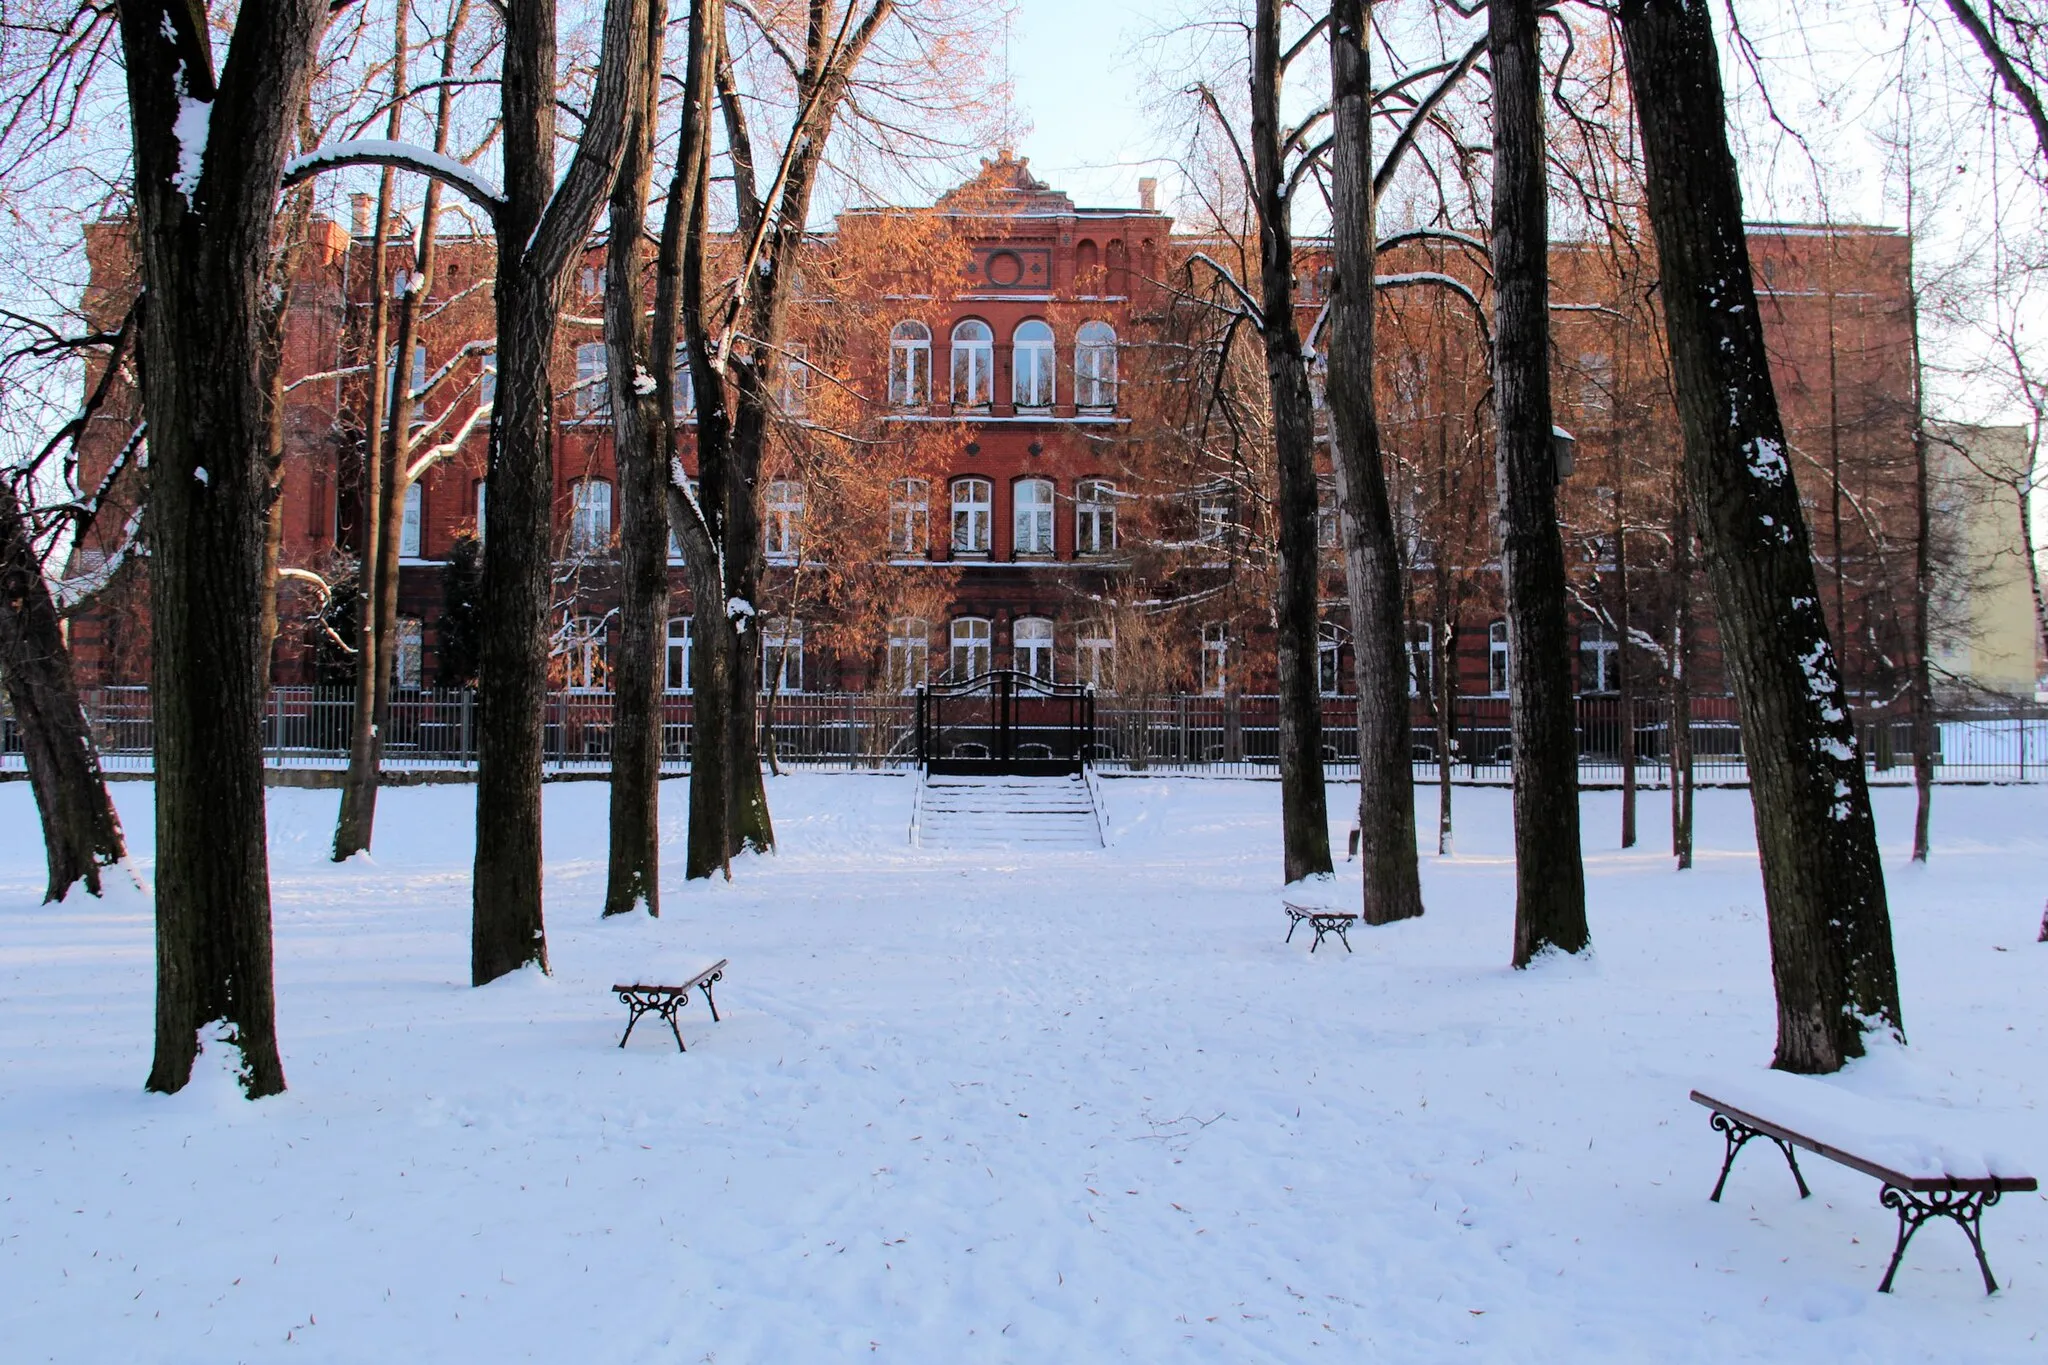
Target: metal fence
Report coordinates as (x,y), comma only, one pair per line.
(435,730)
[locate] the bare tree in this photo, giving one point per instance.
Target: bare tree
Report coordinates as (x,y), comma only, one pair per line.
(1831,947)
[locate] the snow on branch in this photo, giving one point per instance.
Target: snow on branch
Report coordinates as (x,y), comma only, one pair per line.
(1436,277)
(403,156)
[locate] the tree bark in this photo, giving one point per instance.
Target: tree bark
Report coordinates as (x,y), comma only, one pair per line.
(633,880)
(204,236)
(1550,887)
(1923,592)
(541,228)
(1372,553)
(1679,735)
(1304,810)
(1831,946)
(81,832)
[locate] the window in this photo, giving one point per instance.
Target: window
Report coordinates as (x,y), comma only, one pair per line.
(405,663)
(1497,658)
(910,653)
(909,516)
(1095,655)
(409,528)
(1095,367)
(416,381)
(910,365)
(487,380)
(1421,659)
(1094,517)
(685,386)
(1330,640)
(1031,646)
(590,516)
(1032,507)
(1328,516)
(592,280)
(974,364)
(1212,516)
(483,491)
(782,656)
(970,648)
(970,516)
(585,654)
(782,521)
(593,388)
(1599,655)
(681,646)
(1031,368)
(793,379)
(1215,658)
(675,541)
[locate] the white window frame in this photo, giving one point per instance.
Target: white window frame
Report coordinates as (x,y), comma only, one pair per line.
(1213,518)
(970,639)
(910,654)
(1598,645)
(417,379)
(487,380)
(1499,665)
(1095,367)
(1095,655)
(793,378)
(782,521)
(974,364)
(593,382)
(1421,659)
(972,515)
(1215,678)
(910,365)
(910,516)
(1095,517)
(408,658)
(409,525)
(684,385)
(1032,647)
(590,516)
(678,655)
(1330,641)
(782,652)
(1031,517)
(1033,372)
(584,641)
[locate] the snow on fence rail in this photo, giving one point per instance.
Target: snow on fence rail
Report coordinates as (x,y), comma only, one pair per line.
(435,730)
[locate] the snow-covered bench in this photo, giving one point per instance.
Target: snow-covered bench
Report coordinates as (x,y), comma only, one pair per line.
(666,998)
(1929,1169)
(1324,919)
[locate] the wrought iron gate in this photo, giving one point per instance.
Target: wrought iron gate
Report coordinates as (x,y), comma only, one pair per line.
(1005,721)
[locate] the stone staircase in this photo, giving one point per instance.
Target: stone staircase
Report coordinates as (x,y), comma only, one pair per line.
(955,813)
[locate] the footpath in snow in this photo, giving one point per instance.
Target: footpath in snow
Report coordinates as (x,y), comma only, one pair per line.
(1027,1105)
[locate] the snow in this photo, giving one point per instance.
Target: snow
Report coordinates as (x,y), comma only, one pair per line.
(407,156)
(1917,1141)
(996,1106)
(195,119)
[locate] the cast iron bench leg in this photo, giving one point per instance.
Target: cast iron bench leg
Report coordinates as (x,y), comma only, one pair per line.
(1738,1133)
(706,985)
(1966,1207)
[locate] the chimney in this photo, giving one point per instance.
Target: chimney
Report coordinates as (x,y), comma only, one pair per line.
(362,210)
(1148,191)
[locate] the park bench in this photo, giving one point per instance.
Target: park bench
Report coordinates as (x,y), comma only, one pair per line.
(665,999)
(1927,1171)
(1322,919)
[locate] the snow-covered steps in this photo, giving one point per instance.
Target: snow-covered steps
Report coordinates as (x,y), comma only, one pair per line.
(955,812)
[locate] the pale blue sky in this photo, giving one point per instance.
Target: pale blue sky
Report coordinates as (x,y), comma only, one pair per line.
(1083,90)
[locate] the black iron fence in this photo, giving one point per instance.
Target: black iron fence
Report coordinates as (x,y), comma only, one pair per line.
(434,730)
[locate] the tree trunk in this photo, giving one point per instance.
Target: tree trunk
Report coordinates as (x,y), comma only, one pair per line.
(1923,592)
(1624,676)
(1550,888)
(541,228)
(1679,736)
(633,880)
(81,832)
(1372,553)
(203,241)
(1304,812)
(1446,708)
(1831,946)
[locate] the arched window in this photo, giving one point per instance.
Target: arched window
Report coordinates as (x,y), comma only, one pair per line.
(970,648)
(971,514)
(681,642)
(782,521)
(1032,523)
(406,661)
(974,364)
(1095,655)
(409,528)
(1598,655)
(1094,517)
(593,387)
(1215,658)
(583,653)
(1087,268)
(1031,368)
(1095,367)
(910,653)
(909,516)
(910,365)
(590,516)
(782,655)
(1330,640)
(1031,646)
(1497,673)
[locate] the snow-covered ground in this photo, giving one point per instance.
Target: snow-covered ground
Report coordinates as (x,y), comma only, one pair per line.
(1002,1107)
